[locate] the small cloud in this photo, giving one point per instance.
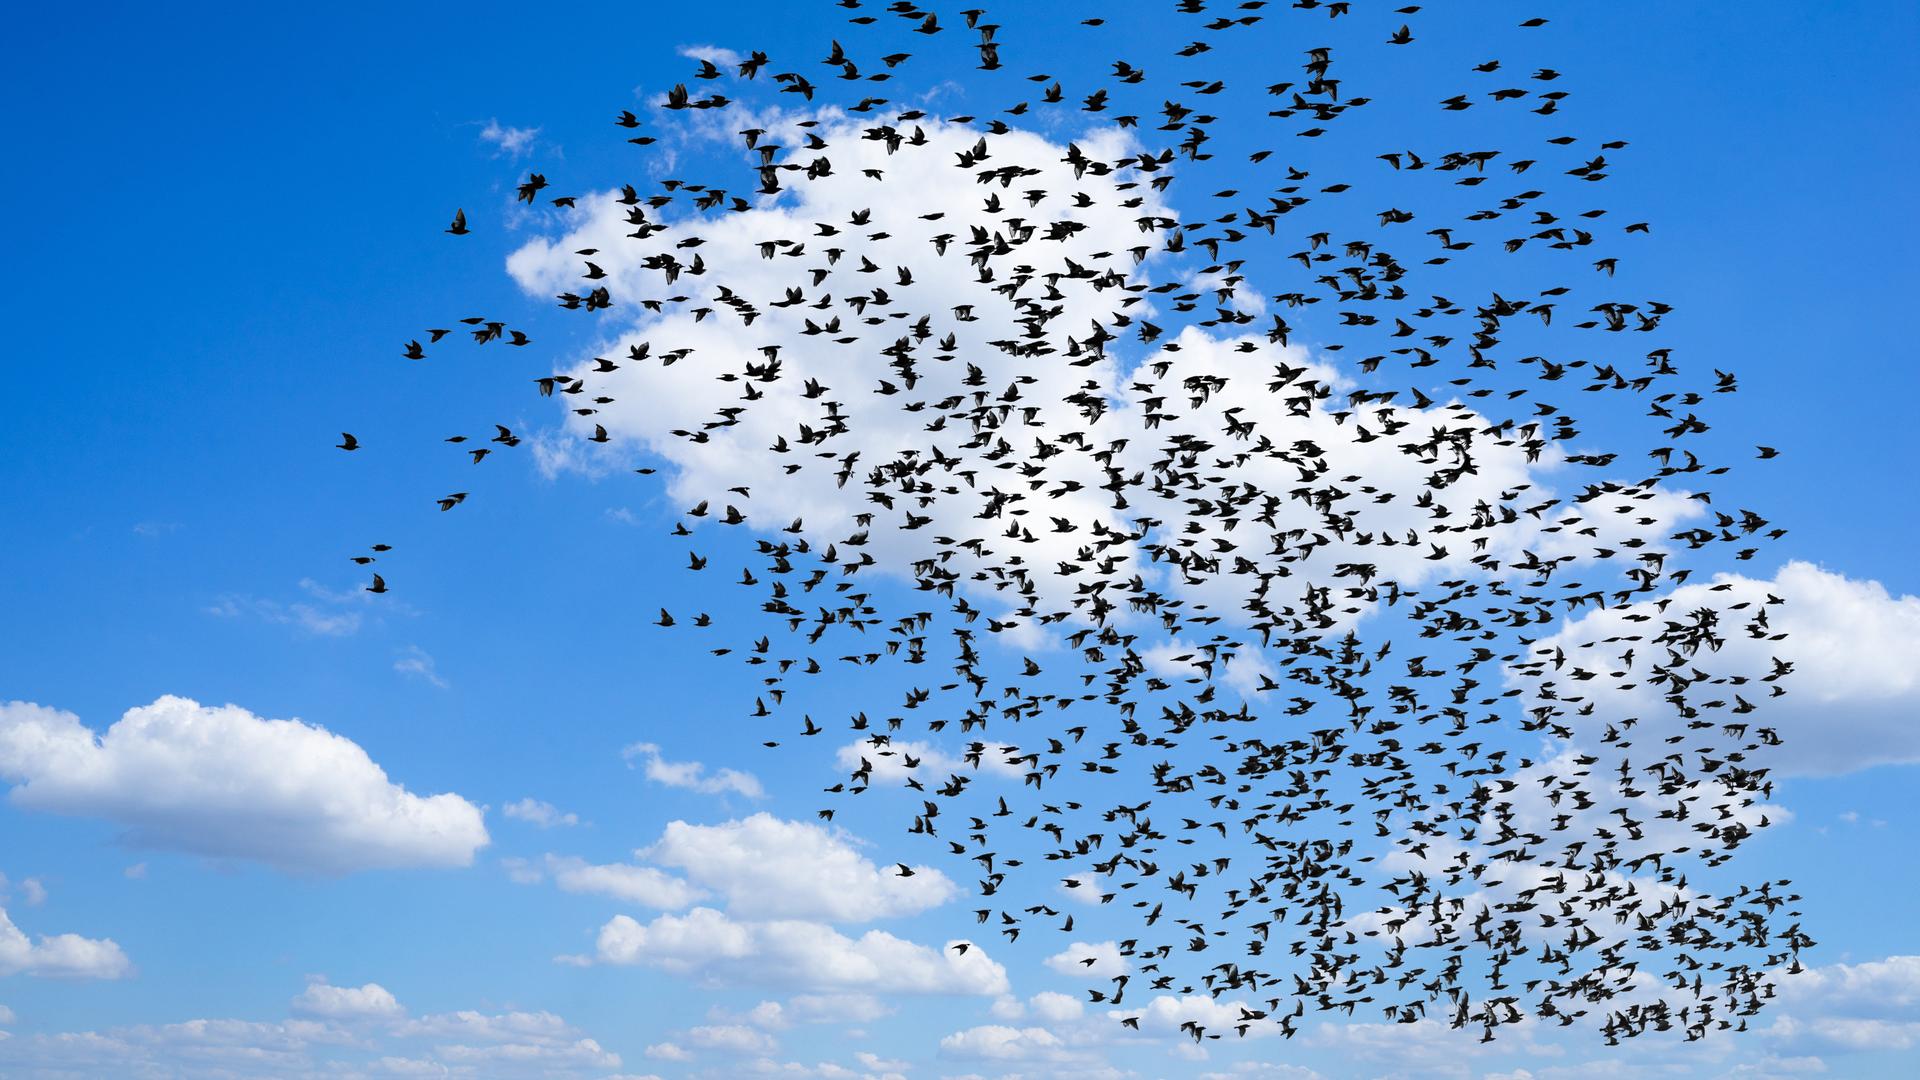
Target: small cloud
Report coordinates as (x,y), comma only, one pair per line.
(65,956)
(418,664)
(719,57)
(667,1051)
(535,812)
(512,141)
(692,775)
(327,613)
(155,528)
(136,872)
(371,1001)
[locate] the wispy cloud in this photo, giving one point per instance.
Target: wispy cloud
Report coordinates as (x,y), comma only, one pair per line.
(544,814)
(693,775)
(512,142)
(418,664)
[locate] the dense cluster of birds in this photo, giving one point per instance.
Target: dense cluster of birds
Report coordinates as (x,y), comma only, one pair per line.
(1255,641)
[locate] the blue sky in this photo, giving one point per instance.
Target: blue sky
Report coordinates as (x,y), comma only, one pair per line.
(228,220)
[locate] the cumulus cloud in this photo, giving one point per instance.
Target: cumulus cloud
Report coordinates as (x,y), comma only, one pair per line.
(791,952)
(193,1048)
(369,1001)
(337,1031)
(1084,888)
(1853,692)
(67,956)
(902,759)
(836,1008)
(730,1039)
(224,783)
(535,812)
(1850,1007)
(998,1042)
(652,400)
(1105,958)
(1056,1008)
(725,58)
(29,891)
(668,1051)
(771,867)
(1265,1070)
(645,885)
(1425,1041)
(532,1043)
(692,775)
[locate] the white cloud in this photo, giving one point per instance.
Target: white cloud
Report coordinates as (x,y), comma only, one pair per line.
(31,892)
(224,783)
(578,1054)
(723,58)
(318,621)
(369,1001)
(1072,960)
(692,775)
(1854,692)
(1425,1041)
(364,1023)
(652,399)
(1165,1013)
(836,1008)
(731,1039)
(767,1015)
(1845,1033)
(1889,984)
(512,141)
(931,764)
(875,1063)
(535,812)
(644,885)
(1850,1007)
(67,956)
(1264,1070)
(1056,1008)
(790,952)
(191,1048)
(1086,888)
(998,1042)
(419,665)
(770,867)
(511,1043)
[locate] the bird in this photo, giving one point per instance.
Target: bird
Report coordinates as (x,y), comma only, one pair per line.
(347,441)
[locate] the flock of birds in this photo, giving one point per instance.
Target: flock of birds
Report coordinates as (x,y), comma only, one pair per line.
(1244,637)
